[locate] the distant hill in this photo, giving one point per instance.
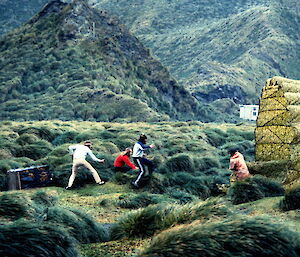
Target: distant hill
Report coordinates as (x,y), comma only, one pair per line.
(218,49)
(221,51)
(71,61)
(15,12)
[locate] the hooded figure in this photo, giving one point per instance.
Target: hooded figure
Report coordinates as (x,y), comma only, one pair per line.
(238,165)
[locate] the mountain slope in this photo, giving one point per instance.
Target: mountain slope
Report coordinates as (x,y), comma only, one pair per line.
(73,62)
(218,49)
(14,12)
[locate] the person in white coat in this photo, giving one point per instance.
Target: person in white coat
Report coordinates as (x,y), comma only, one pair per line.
(80,152)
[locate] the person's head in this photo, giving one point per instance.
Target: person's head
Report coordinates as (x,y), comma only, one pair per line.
(232,151)
(88,144)
(127,151)
(143,138)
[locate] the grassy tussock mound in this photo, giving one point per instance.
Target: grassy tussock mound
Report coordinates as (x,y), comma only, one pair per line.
(188,163)
(122,178)
(181,196)
(204,211)
(154,184)
(140,201)
(146,222)
(201,186)
(25,238)
(268,186)
(40,208)
(253,237)
(179,162)
(253,189)
(215,137)
(291,200)
(80,226)
(42,198)
(16,205)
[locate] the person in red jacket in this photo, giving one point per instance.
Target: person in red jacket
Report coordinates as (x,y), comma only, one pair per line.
(238,165)
(122,162)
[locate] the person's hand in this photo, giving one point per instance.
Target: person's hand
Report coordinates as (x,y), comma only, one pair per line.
(152,146)
(102,160)
(135,168)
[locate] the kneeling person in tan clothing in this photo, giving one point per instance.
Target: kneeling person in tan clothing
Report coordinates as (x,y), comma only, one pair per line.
(79,153)
(238,165)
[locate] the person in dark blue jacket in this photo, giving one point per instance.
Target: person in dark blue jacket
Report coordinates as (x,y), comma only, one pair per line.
(139,159)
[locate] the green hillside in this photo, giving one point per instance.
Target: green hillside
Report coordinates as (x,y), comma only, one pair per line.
(73,62)
(218,49)
(13,13)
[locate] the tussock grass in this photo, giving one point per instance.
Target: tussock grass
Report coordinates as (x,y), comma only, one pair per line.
(239,237)
(244,192)
(270,187)
(215,136)
(122,178)
(175,151)
(65,137)
(200,186)
(204,211)
(145,222)
(80,225)
(36,150)
(141,200)
(182,196)
(25,238)
(155,184)
(3,182)
(253,189)
(203,164)
(16,205)
(43,132)
(291,200)
(25,139)
(43,198)
(180,162)
(40,208)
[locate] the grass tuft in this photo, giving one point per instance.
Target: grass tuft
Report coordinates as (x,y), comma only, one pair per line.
(291,200)
(24,238)
(238,237)
(253,189)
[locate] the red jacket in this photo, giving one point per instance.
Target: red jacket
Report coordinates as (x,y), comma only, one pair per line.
(122,160)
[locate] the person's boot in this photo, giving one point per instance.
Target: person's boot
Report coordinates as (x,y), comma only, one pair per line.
(135,185)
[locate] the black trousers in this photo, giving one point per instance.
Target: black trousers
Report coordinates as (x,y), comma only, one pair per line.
(122,169)
(142,163)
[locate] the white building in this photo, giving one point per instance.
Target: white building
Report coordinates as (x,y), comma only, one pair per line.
(249,112)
